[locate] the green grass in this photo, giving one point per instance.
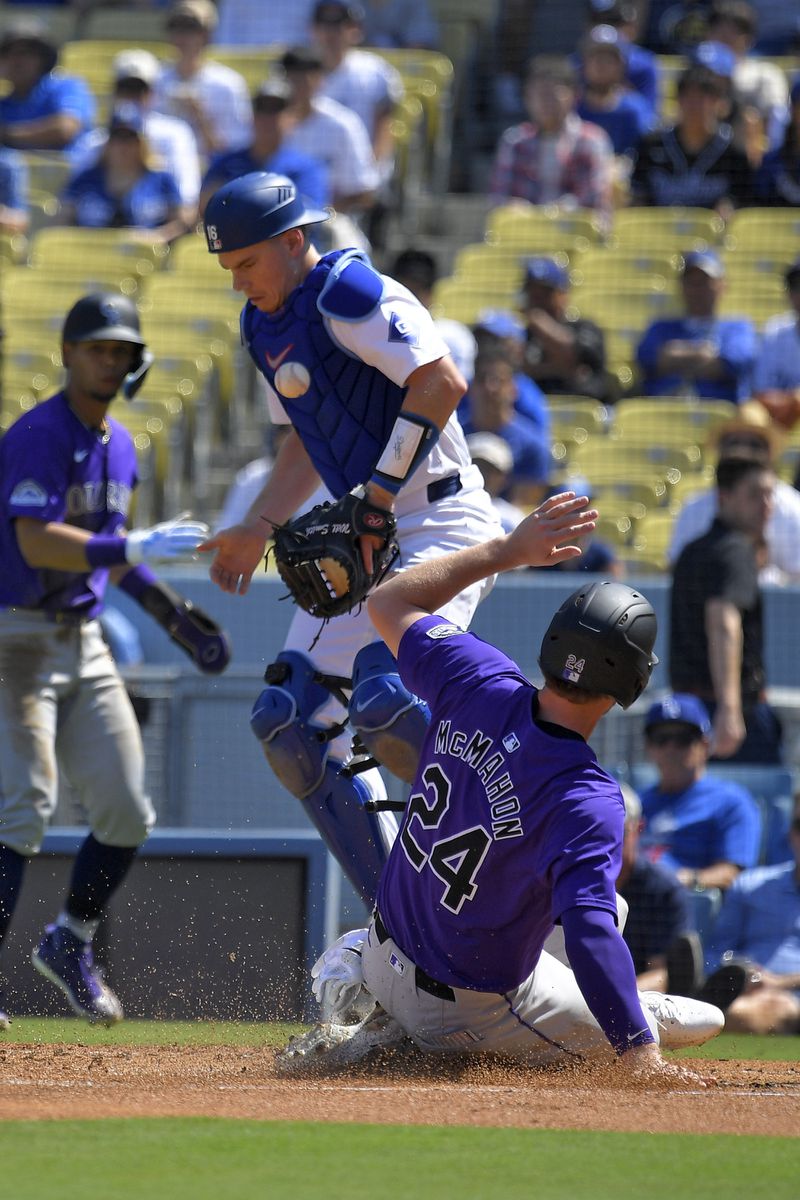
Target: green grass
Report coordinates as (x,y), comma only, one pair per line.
(739,1046)
(237,1160)
(44,1031)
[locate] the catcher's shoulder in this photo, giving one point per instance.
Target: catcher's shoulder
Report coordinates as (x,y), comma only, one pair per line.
(353,289)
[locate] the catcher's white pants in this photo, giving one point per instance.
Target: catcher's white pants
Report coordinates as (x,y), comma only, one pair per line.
(62,703)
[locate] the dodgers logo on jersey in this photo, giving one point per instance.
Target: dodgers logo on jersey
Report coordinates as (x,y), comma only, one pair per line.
(403,330)
(442,631)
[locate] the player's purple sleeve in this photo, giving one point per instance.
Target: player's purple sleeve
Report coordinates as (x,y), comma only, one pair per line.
(603,968)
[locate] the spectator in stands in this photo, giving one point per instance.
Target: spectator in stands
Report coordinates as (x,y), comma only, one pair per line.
(245,23)
(760,87)
(694,163)
(403,24)
(754,950)
(778,26)
(40,110)
(329,132)
(122,190)
(699,354)
(658,905)
(272,121)
(564,354)
(702,828)
(676,26)
(365,83)
(776,378)
(748,434)
(13,192)
(777,183)
(642,72)
(171,140)
(596,557)
(493,458)
(490,409)
(605,101)
(555,157)
(716,639)
(417,270)
(213,99)
(749,133)
(498,328)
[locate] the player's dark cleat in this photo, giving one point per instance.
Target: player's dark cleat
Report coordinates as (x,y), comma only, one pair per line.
(682,1022)
(726,983)
(69,963)
(330,1047)
(685,965)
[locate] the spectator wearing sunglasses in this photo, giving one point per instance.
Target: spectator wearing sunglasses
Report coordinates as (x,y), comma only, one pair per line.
(703,828)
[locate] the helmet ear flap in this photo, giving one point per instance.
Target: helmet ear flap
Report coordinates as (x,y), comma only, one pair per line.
(136,376)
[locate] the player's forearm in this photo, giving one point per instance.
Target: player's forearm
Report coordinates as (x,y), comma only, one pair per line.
(292,480)
(52,546)
(431,585)
(717,875)
(724,635)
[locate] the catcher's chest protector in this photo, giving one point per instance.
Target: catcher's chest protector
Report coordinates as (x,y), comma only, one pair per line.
(348,408)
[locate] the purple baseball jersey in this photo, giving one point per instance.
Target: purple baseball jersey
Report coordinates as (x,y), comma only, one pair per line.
(54,468)
(511,820)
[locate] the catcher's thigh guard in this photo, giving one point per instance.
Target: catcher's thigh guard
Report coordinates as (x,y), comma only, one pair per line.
(390,721)
(282,720)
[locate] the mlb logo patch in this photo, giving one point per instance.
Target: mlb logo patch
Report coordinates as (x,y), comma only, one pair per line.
(511,742)
(397,965)
(402,330)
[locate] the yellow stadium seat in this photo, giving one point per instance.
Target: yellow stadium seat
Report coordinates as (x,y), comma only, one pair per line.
(652,535)
(92,58)
(577,412)
(463,300)
(71,250)
(37,295)
(758,307)
(765,229)
(48,170)
(13,248)
(689,422)
(537,229)
(601,266)
(623,306)
(632,495)
(667,229)
(482,263)
(37,370)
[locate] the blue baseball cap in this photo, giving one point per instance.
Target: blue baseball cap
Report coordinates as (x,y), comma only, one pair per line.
(704,260)
(716,56)
(605,37)
(500,322)
(548,272)
(679,708)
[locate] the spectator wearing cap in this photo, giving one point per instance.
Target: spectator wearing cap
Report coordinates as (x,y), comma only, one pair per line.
(417,270)
(40,110)
(554,157)
(699,354)
(122,190)
(13,192)
(490,408)
(605,101)
(694,163)
(750,433)
(329,132)
(760,87)
(716,638)
(267,151)
(658,905)
(501,329)
(703,828)
(776,378)
(642,72)
(564,354)
(212,98)
(365,83)
(400,24)
(492,456)
(170,139)
(777,183)
(245,23)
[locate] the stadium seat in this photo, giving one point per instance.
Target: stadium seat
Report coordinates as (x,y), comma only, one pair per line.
(493,265)
(464,300)
(673,230)
(653,534)
(118,22)
(67,250)
(610,268)
(754,229)
(48,170)
(673,422)
(538,229)
(13,248)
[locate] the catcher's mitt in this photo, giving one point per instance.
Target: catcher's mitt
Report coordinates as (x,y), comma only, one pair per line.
(319,557)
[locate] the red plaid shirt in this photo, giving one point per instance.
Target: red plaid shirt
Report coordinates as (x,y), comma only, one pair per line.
(583,152)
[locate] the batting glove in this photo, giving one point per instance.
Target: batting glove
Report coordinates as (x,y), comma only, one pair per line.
(171,541)
(338,979)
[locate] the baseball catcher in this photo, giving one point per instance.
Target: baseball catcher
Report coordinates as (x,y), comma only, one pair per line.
(319,554)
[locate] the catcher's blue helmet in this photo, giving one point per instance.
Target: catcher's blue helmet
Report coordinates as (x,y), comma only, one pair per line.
(253,208)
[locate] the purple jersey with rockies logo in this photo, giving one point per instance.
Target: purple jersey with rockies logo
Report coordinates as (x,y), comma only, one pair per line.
(54,468)
(511,820)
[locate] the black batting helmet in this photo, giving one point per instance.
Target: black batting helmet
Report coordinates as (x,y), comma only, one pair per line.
(110,317)
(601,640)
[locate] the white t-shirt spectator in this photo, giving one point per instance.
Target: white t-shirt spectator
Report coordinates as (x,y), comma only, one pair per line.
(221,93)
(173,144)
(778,362)
(338,138)
(782,532)
(365,83)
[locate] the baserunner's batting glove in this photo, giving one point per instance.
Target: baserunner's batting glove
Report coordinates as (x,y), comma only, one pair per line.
(171,541)
(338,979)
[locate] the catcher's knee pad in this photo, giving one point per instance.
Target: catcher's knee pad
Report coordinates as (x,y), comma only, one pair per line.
(390,721)
(352,833)
(281,720)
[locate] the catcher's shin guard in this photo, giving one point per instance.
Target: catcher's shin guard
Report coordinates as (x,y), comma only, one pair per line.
(297,751)
(390,721)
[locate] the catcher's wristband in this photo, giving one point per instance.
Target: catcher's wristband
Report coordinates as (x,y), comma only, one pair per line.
(411,440)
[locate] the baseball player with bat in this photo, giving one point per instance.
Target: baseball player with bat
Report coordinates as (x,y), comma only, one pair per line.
(354,363)
(67,474)
(512,828)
